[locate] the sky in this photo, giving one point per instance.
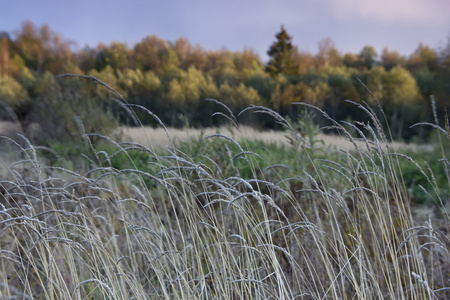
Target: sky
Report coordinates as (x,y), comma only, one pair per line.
(239,24)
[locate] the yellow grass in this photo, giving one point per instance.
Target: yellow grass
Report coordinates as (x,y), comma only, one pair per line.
(156,138)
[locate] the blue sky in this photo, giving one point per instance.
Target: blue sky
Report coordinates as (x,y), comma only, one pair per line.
(235,24)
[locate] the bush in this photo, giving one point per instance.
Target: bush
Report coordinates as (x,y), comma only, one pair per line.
(63,109)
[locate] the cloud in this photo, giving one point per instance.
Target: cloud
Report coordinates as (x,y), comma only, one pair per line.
(399,11)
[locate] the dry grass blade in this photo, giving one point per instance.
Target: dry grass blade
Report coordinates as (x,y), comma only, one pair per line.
(196,222)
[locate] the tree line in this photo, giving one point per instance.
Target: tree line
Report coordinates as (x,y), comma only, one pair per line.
(172,79)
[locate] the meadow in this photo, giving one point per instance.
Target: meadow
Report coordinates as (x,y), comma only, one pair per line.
(219,215)
(157,138)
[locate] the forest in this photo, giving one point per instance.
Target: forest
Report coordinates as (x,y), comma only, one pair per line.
(173,78)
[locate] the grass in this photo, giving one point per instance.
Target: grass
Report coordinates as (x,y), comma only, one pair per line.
(159,140)
(215,218)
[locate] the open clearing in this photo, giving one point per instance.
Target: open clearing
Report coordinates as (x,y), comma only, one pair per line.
(156,138)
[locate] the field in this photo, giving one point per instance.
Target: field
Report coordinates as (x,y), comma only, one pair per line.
(157,137)
(227,215)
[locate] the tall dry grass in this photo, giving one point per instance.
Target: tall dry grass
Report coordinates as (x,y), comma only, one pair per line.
(187,229)
(156,138)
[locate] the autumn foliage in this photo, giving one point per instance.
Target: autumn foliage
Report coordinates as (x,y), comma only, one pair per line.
(172,79)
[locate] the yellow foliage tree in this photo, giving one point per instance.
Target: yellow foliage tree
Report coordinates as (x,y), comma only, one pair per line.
(400,87)
(11,92)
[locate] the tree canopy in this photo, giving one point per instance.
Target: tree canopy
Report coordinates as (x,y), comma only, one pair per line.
(173,79)
(280,53)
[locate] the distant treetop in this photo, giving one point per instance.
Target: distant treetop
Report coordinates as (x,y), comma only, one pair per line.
(280,53)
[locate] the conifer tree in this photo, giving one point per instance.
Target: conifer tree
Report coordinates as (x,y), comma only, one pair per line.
(280,53)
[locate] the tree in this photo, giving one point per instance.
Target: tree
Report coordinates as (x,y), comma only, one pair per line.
(374,83)
(42,49)
(341,87)
(196,58)
(58,101)
(390,59)
(350,60)
(238,97)
(281,54)
(221,66)
(424,65)
(116,56)
(401,99)
(11,92)
(107,76)
(138,84)
(7,67)
(258,80)
(328,54)
(169,63)
(245,60)
(87,58)
(400,87)
(278,83)
(441,86)
(185,95)
(368,57)
(30,46)
(182,49)
(304,61)
(147,53)
(423,58)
